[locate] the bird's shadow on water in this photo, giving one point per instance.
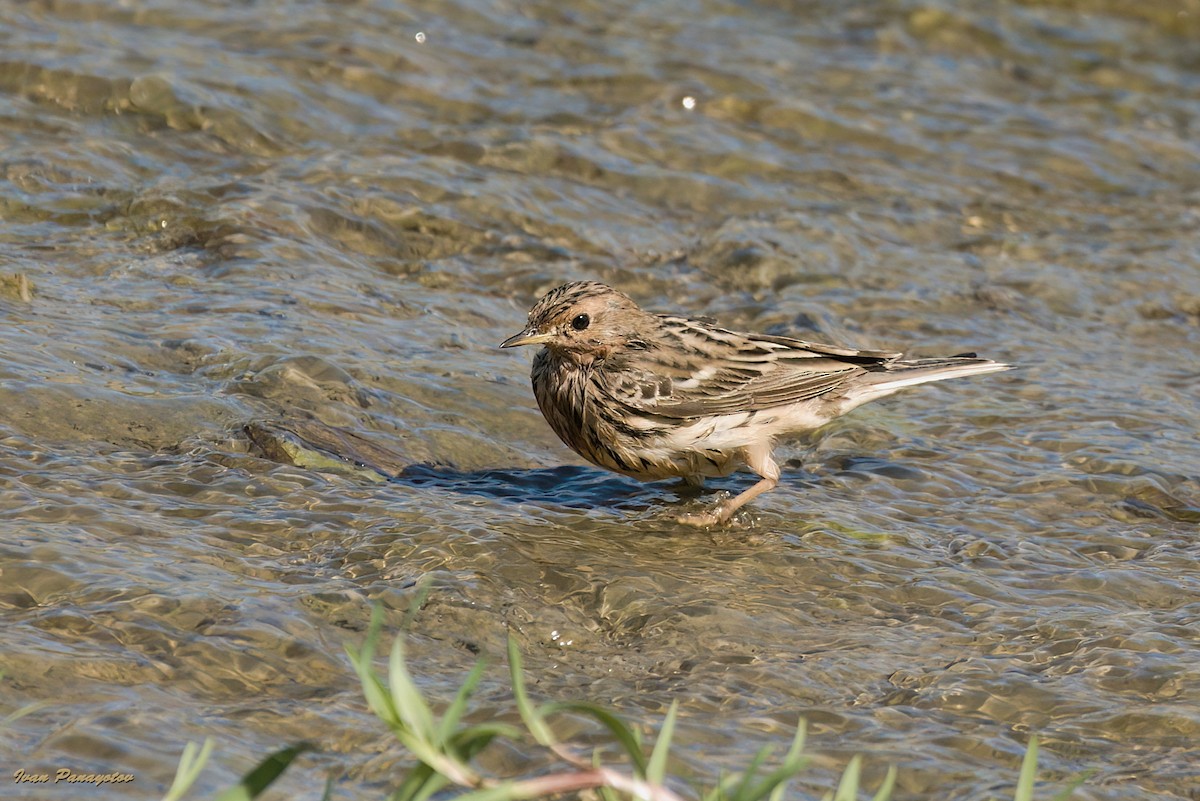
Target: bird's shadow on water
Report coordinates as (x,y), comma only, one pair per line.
(579,486)
(325,449)
(315,446)
(568,486)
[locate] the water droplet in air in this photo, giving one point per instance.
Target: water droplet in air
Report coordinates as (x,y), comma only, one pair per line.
(689,102)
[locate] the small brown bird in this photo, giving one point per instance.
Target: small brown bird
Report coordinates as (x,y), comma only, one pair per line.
(656,396)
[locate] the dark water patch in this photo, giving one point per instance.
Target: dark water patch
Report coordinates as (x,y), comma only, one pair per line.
(570,487)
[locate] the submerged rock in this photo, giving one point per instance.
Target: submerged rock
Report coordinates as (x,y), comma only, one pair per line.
(315,446)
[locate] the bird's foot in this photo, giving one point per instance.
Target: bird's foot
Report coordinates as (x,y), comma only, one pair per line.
(704,519)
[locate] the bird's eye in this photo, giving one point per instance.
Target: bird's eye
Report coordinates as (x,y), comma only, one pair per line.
(581,322)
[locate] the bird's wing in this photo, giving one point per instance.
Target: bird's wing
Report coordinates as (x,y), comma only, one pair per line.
(694,369)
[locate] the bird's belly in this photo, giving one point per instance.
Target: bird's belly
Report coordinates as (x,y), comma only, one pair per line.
(706,447)
(651,449)
(649,461)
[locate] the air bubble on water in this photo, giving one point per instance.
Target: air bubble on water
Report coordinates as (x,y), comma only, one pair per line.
(689,102)
(420,37)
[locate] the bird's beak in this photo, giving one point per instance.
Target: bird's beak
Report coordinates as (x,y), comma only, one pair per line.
(526,337)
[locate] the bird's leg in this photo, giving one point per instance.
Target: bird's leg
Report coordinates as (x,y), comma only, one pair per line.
(758,458)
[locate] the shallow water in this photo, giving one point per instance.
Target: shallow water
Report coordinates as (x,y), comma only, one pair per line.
(230,213)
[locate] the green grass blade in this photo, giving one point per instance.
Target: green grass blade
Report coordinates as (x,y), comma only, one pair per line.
(619,729)
(847,789)
(430,754)
(656,769)
(1028,772)
(192,761)
(775,779)
(410,704)
(379,700)
(1073,785)
(419,778)
(264,774)
(435,784)
(534,720)
(470,741)
(606,793)
(739,793)
(413,781)
(366,652)
(884,793)
(454,712)
(720,790)
(717,792)
(793,755)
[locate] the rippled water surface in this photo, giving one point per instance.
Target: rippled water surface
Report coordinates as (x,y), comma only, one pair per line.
(220,213)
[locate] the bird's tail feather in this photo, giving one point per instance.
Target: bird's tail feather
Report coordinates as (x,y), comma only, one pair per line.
(900,374)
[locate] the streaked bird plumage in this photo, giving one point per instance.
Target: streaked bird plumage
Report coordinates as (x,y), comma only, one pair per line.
(656,396)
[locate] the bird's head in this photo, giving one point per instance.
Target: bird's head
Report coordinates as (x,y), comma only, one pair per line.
(584,319)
